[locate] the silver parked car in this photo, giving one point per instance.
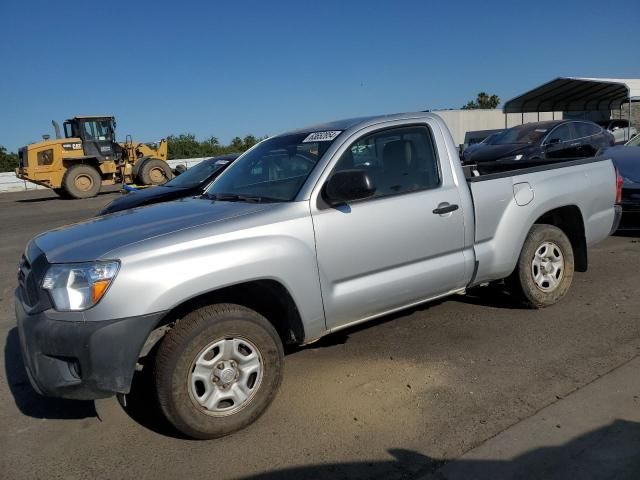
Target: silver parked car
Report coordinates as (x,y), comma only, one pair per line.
(620,128)
(307,233)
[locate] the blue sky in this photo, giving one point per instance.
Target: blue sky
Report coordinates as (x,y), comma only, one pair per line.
(234,68)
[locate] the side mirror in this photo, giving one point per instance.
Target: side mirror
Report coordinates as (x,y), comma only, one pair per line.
(615,128)
(180,168)
(347,186)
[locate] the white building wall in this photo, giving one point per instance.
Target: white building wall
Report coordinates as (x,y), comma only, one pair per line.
(462,121)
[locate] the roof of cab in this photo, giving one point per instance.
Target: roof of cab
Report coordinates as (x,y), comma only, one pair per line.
(359,122)
(83,117)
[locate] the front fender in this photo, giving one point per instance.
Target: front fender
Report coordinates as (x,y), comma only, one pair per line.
(161,273)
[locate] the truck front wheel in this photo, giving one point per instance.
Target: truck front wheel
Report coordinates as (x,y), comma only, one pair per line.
(218,370)
(545,268)
(81,181)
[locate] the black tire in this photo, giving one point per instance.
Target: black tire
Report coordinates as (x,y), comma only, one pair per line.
(193,337)
(539,291)
(154,172)
(81,181)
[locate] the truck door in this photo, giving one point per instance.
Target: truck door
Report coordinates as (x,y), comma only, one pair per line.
(404,244)
(97,138)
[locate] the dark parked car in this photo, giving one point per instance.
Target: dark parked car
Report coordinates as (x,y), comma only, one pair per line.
(191,182)
(626,159)
(538,143)
(486,141)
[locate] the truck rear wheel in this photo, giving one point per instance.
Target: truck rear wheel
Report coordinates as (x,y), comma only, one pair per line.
(155,172)
(545,268)
(81,181)
(218,370)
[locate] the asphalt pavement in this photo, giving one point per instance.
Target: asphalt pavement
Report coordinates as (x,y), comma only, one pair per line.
(470,380)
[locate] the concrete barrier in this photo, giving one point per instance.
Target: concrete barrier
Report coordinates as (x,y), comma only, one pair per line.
(10,183)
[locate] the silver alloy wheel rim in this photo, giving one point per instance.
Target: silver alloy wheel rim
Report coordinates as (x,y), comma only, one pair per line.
(547,266)
(225,376)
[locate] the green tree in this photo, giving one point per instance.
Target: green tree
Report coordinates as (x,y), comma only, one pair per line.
(482,101)
(237,144)
(249,141)
(186,145)
(8,160)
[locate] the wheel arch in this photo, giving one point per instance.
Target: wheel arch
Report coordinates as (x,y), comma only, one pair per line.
(268,297)
(569,219)
(67,163)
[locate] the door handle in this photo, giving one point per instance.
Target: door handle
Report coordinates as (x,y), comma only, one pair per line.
(445,209)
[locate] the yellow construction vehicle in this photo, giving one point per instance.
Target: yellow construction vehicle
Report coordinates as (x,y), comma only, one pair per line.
(88,157)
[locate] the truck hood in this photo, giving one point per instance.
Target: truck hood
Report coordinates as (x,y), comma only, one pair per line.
(493,152)
(95,238)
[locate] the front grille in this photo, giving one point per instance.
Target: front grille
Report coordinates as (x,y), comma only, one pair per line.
(631,196)
(32,268)
(27,282)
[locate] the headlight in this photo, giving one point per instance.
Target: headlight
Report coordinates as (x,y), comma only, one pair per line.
(78,286)
(518,157)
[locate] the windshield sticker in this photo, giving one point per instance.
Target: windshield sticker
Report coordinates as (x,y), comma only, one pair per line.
(541,130)
(222,162)
(322,136)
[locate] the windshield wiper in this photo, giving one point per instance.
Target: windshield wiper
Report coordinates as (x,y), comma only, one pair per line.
(234,197)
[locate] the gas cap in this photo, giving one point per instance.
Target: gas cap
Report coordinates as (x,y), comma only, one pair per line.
(523,193)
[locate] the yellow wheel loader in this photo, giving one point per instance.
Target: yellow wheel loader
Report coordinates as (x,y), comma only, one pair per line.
(88,157)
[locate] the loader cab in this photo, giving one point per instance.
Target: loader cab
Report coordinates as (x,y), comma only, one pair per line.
(97,135)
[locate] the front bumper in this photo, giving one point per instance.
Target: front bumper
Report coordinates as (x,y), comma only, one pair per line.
(69,357)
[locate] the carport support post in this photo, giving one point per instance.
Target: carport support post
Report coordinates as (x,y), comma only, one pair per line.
(629,129)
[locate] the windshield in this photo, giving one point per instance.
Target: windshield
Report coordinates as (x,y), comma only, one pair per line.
(198,173)
(490,140)
(531,133)
(274,170)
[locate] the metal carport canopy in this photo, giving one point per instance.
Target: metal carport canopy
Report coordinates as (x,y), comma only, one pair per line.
(571,94)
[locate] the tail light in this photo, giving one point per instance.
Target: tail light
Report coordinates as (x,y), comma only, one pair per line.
(619,183)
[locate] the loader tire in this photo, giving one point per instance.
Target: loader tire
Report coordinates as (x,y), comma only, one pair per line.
(155,172)
(81,181)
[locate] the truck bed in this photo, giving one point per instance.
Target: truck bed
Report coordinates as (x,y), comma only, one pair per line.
(507,201)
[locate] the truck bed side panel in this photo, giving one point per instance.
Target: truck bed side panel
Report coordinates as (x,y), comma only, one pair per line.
(502,225)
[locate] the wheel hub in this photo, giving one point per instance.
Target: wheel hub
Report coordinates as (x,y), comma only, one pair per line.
(225,375)
(228,375)
(547,266)
(156,175)
(83,182)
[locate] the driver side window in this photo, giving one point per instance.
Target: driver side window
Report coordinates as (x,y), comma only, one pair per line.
(399,160)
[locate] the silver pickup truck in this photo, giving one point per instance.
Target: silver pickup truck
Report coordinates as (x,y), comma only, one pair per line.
(307,233)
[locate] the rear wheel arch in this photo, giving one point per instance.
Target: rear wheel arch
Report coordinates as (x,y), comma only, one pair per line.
(569,219)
